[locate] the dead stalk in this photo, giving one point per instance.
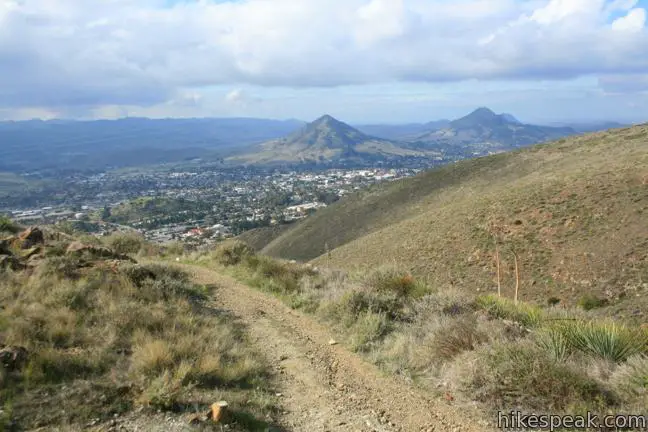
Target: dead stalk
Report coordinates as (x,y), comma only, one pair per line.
(499,280)
(517,278)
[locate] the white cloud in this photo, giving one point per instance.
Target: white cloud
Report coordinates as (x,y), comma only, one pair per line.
(634,21)
(237,97)
(60,53)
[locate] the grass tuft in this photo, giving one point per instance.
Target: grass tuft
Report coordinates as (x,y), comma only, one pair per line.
(527,315)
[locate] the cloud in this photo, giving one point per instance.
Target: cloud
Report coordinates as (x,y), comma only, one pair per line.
(236,97)
(61,53)
(624,84)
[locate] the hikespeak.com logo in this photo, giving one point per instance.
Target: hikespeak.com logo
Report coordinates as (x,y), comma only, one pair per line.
(519,421)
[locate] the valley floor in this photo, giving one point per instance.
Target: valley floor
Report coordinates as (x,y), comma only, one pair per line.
(323,386)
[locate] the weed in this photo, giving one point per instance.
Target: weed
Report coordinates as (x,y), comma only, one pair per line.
(528,315)
(589,302)
(125,243)
(232,252)
(631,378)
(462,334)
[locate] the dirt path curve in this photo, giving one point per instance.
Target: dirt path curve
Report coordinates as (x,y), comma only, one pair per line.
(325,387)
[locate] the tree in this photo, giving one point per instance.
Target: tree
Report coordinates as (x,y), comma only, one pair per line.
(106,213)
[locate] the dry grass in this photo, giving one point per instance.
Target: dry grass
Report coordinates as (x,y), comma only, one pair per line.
(486,349)
(110,339)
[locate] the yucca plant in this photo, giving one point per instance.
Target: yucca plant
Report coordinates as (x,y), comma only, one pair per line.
(554,343)
(607,340)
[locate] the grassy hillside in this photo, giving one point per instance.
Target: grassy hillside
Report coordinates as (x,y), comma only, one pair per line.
(88,337)
(259,238)
(573,211)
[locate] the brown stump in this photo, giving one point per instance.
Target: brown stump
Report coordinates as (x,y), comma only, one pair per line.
(219,412)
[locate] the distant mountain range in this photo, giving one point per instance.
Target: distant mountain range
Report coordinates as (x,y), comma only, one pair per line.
(483,131)
(61,145)
(325,139)
(328,139)
(80,145)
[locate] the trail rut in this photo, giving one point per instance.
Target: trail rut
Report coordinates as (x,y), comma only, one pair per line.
(326,387)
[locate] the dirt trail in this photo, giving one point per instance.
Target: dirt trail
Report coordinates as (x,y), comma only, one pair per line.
(325,387)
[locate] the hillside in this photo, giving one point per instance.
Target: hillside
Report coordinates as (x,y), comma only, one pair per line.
(483,131)
(258,238)
(574,212)
(325,139)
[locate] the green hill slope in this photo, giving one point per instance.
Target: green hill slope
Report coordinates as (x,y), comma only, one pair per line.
(574,211)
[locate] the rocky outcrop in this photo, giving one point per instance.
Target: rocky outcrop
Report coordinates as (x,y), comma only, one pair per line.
(31,237)
(96,252)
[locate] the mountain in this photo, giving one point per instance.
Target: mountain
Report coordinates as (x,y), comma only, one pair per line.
(325,139)
(511,118)
(483,131)
(61,145)
(573,211)
(402,132)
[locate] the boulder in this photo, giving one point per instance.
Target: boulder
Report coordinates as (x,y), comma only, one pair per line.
(31,237)
(13,358)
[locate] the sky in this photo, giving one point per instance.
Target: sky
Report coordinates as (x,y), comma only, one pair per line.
(363,61)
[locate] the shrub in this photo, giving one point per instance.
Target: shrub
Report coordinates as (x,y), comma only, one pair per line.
(522,375)
(553,301)
(368,328)
(528,315)
(355,303)
(276,276)
(164,392)
(232,252)
(160,282)
(8,226)
(631,378)
(125,243)
(460,335)
(400,283)
(589,302)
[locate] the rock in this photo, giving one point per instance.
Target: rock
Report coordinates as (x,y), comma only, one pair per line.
(218,413)
(31,237)
(13,358)
(332,342)
(78,248)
